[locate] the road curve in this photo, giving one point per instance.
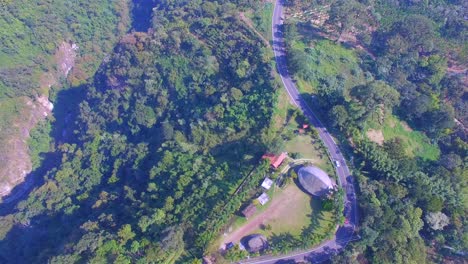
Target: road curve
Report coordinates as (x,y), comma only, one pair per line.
(344,233)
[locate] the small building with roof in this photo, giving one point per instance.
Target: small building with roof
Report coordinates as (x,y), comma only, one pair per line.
(254,243)
(249,211)
(267,183)
(263,199)
(275,160)
(315,181)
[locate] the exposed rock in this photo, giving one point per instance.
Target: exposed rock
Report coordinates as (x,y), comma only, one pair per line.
(65,57)
(15,162)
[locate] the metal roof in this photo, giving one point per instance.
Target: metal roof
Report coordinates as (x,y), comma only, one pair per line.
(314,180)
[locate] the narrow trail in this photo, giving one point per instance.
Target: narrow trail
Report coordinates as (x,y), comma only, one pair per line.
(249,23)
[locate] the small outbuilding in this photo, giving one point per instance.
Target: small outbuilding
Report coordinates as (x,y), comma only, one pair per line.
(267,183)
(263,199)
(315,181)
(254,243)
(249,211)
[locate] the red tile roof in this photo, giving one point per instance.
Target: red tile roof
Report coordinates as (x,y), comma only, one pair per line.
(275,160)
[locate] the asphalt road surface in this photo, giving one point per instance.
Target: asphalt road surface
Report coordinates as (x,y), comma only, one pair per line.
(345,233)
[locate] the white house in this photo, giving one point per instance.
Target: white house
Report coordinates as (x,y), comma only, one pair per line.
(263,199)
(267,183)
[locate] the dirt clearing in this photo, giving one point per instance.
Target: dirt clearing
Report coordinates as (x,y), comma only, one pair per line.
(289,211)
(375,136)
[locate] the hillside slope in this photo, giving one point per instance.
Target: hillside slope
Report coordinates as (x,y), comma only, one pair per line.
(44,45)
(170,126)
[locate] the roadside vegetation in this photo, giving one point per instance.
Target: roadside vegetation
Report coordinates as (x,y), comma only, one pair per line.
(261,18)
(385,77)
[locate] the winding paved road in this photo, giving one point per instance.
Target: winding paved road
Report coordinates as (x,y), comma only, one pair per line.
(344,233)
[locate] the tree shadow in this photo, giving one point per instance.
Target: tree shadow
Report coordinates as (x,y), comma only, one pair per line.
(26,242)
(66,110)
(141,14)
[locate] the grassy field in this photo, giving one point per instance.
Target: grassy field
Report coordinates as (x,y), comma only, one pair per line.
(288,211)
(300,212)
(328,59)
(293,215)
(306,146)
(308,149)
(416,143)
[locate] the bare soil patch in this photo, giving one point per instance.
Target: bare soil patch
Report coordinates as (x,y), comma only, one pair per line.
(406,127)
(375,136)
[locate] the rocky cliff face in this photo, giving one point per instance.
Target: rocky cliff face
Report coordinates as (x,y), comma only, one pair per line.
(15,163)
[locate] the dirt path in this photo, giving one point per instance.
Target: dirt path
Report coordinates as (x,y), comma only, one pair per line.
(284,204)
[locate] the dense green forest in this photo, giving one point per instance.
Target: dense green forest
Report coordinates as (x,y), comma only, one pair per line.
(371,64)
(170,125)
(32,31)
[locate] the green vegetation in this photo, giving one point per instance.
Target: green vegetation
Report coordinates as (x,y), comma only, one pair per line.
(39,142)
(143,177)
(261,18)
(327,59)
(31,33)
(163,139)
(322,60)
(381,65)
(12,108)
(414,142)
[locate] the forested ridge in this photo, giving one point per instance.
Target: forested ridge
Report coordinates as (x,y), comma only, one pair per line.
(170,126)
